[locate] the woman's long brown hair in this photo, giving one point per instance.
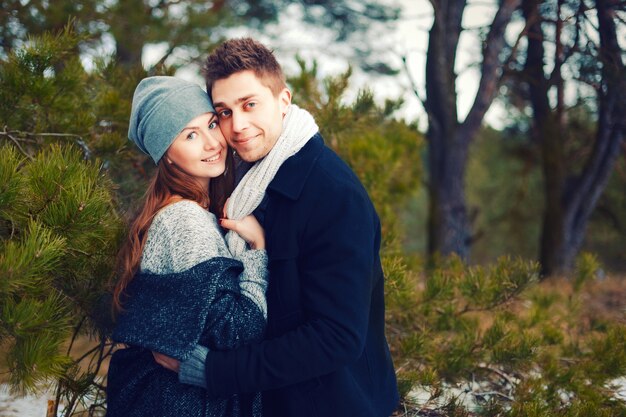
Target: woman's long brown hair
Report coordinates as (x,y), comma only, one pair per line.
(168,183)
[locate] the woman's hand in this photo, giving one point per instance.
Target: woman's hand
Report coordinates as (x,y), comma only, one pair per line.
(166,362)
(248,228)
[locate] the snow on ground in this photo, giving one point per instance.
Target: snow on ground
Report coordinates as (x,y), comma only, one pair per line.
(465,394)
(28,406)
(471,395)
(424,398)
(619,385)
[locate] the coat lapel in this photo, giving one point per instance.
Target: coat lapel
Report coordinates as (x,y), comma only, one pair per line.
(290,179)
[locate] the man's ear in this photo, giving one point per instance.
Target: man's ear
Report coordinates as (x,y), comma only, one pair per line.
(284,99)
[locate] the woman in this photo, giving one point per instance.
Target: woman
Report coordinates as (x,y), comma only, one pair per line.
(180,288)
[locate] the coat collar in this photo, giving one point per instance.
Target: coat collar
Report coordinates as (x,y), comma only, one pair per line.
(292,174)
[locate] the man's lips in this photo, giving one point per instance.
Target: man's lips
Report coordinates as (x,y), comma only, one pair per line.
(244,140)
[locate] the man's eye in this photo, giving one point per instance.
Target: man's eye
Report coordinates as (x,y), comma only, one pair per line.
(224,113)
(251,104)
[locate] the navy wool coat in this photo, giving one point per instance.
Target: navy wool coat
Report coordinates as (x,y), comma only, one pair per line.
(325,352)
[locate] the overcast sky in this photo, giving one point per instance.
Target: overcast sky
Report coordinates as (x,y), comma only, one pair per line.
(406,37)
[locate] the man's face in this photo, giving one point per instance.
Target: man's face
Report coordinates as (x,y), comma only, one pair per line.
(250,115)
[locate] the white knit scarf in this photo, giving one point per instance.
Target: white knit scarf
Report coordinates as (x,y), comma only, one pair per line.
(298,127)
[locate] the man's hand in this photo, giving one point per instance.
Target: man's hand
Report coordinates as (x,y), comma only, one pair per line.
(166,362)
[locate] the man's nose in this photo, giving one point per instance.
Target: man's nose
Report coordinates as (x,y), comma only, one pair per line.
(240,122)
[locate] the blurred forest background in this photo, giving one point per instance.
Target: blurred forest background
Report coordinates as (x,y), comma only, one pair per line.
(503,245)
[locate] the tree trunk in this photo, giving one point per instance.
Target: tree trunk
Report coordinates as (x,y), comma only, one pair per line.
(569,201)
(552,239)
(610,131)
(129,23)
(449,228)
(546,131)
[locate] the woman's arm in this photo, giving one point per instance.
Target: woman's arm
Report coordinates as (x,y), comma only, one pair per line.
(184,234)
(237,312)
(253,280)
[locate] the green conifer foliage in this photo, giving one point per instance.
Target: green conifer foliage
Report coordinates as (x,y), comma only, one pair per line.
(59,235)
(515,346)
(59,227)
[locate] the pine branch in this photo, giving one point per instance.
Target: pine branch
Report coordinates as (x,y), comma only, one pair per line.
(75,334)
(501,374)
(492,306)
(16,141)
(89,353)
(75,251)
(491,393)
(22,136)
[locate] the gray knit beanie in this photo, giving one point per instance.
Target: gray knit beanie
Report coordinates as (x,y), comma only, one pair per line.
(162,107)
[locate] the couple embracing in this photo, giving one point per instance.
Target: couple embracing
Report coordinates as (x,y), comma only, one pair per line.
(250,283)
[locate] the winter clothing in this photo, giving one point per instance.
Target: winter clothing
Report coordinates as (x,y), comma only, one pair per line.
(190,292)
(184,234)
(325,352)
(298,127)
(162,107)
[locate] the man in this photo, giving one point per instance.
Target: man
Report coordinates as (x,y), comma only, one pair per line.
(325,352)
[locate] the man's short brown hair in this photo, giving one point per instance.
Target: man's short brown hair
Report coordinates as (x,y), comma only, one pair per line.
(236,55)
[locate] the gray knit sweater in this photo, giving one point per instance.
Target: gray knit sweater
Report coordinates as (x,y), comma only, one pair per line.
(183,235)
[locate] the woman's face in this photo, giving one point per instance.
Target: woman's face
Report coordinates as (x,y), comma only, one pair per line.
(200,149)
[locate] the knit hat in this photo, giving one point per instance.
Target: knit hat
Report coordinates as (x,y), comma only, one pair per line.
(162,107)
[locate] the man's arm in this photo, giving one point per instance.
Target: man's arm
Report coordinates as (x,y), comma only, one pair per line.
(336,262)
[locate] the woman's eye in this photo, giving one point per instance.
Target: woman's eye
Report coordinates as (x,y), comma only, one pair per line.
(192,135)
(213,124)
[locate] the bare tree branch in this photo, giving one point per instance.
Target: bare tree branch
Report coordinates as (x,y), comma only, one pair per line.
(405,65)
(161,61)
(491,72)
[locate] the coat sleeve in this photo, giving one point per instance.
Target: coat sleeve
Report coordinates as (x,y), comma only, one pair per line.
(234,319)
(173,313)
(197,293)
(237,314)
(336,279)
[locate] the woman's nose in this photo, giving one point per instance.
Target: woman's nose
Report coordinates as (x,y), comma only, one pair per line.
(211,141)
